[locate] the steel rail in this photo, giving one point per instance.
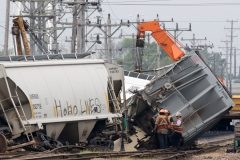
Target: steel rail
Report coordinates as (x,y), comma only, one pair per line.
(165,154)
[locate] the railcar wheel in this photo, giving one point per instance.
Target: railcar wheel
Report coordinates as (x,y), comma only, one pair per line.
(3,143)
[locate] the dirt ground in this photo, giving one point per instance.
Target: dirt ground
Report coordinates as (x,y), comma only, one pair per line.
(217,155)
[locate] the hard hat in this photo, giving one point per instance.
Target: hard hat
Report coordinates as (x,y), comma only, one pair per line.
(178,114)
(162,111)
(166,111)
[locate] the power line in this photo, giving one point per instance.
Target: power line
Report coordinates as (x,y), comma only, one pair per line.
(112,10)
(202,21)
(140,1)
(186,4)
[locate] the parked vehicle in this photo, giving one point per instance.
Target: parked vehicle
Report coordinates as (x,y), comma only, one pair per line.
(236,81)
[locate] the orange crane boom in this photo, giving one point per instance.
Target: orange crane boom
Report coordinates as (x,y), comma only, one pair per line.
(162,37)
(168,43)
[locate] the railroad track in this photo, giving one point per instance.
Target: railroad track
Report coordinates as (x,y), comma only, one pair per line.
(162,154)
(165,154)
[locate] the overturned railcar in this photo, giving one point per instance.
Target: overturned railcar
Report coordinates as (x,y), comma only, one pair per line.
(67,100)
(189,87)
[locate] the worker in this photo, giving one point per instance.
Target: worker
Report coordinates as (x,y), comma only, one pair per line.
(177,131)
(161,125)
(170,129)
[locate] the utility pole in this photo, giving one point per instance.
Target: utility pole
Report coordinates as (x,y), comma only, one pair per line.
(32,26)
(81,29)
(139,51)
(235,61)
(204,46)
(133,49)
(55,43)
(81,22)
(74,30)
(159,52)
(193,41)
(239,72)
(108,36)
(176,30)
(214,62)
(108,33)
(231,48)
(6,28)
(226,50)
(158,59)
(105,41)
(148,48)
(109,52)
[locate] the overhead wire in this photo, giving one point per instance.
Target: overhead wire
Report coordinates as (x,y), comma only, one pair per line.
(112,10)
(18,6)
(140,1)
(173,4)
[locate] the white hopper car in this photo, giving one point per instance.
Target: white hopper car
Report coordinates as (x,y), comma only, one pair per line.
(67,100)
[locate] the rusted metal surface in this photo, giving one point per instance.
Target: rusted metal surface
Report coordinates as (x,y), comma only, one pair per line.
(3,143)
(21,145)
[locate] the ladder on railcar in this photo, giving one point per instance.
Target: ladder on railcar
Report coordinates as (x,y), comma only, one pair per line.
(113,96)
(15,107)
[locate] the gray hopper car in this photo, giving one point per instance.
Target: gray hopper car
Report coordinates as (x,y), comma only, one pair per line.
(189,87)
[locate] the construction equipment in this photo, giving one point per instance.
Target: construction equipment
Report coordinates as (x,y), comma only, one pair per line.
(234,114)
(162,37)
(236,100)
(19,30)
(188,86)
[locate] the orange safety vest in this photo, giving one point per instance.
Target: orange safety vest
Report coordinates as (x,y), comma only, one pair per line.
(179,128)
(169,125)
(162,122)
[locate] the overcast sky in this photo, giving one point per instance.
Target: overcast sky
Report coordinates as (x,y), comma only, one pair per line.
(208,17)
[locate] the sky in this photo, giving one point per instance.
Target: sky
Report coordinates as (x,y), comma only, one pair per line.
(207,17)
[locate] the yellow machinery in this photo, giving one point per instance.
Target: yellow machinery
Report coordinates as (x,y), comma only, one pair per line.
(19,29)
(236,112)
(236,100)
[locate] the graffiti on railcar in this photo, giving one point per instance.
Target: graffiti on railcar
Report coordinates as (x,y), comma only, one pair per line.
(75,110)
(58,109)
(68,110)
(90,107)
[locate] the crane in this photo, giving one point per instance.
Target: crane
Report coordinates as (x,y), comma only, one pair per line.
(162,37)
(168,43)
(19,29)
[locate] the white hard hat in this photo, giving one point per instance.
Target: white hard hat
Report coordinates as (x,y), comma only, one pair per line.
(178,114)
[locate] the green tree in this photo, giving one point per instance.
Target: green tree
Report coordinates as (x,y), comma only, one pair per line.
(215,62)
(1,52)
(149,56)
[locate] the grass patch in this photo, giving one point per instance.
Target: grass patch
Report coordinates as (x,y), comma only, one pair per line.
(88,151)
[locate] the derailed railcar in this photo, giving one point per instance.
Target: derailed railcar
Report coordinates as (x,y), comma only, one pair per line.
(189,87)
(64,99)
